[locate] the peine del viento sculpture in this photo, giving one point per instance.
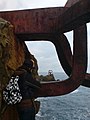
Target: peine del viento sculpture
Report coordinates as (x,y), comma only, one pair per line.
(48,24)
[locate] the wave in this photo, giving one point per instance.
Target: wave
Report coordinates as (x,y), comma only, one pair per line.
(75,91)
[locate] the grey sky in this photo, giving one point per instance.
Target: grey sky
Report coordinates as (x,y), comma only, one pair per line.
(44,52)
(46,55)
(29,4)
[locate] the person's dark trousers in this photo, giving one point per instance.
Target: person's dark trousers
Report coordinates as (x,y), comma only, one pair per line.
(26,114)
(26,111)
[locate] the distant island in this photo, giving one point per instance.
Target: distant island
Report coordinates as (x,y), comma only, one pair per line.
(47,78)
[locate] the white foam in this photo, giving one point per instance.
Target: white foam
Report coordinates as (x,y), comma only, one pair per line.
(75,91)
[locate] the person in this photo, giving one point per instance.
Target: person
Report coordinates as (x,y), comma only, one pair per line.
(28,85)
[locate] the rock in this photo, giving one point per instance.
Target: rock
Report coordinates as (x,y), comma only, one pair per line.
(13,53)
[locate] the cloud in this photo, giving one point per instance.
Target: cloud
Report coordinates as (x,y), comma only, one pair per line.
(44,3)
(23,4)
(46,55)
(11,4)
(69,36)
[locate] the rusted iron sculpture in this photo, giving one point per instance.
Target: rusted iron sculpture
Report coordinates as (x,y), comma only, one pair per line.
(51,24)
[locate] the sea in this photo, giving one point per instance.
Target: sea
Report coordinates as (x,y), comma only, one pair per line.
(73,106)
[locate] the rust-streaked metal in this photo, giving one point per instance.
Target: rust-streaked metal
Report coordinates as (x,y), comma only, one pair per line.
(79,63)
(47,24)
(51,24)
(49,20)
(43,20)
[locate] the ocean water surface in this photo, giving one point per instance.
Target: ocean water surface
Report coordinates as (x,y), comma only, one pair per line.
(73,106)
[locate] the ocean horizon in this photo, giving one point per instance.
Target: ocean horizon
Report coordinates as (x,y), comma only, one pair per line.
(72,106)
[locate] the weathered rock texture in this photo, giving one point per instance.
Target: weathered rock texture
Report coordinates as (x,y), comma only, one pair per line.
(13,53)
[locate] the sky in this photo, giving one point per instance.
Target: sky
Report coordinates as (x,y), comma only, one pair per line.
(46,56)
(22,4)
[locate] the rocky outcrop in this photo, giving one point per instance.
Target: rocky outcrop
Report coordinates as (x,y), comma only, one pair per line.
(13,53)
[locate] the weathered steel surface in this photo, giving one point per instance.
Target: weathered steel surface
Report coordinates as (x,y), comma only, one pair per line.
(69,3)
(75,16)
(64,51)
(34,21)
(79,63)
(49,20)
(48,23)
(86,81)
